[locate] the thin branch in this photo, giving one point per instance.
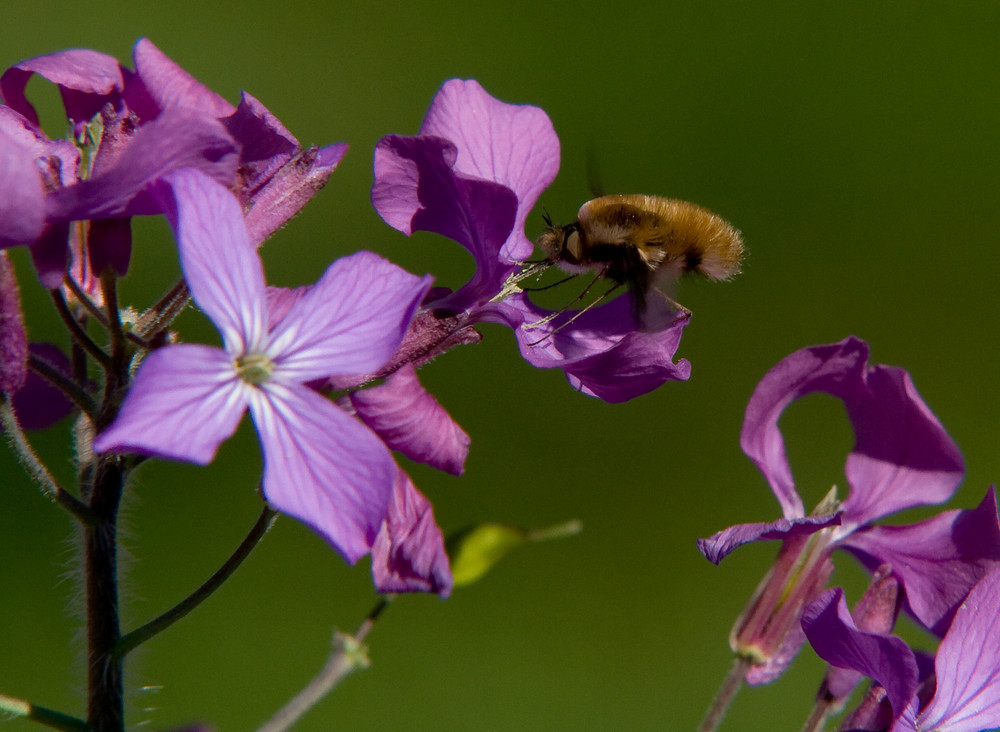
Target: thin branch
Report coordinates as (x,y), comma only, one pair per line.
(61,381)
(56,720)
(349,654)
(732,684)
(140,635)
(162,314)
(79,334)
(36,470)
(84,299)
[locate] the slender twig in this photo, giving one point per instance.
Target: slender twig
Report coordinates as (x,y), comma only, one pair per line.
(727,692)
(349,654)
(79,334)
(84,299)
(162,314)
(817,718)
(56,720)
(62,382)
(140,635)
(119,354)
(34,467)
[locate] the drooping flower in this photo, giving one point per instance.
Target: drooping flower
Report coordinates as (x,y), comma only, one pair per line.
(902,458)
(320,465)
(473,174)
(966,676)
(130,128)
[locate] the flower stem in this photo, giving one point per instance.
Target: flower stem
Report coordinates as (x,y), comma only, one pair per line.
(349,654)
(76,330)
(34,467)
(727,692)
(817,718)
(62,382)
(162,314)
(56,720)
(137,637)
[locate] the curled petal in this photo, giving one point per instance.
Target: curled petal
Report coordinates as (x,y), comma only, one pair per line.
(601,352)
(410,420)
(967,666)
(938,560)
(167,85)
(832,634)
(322,467)
(351,321)
(222,270)
(511,144)
(87,80)
(718,546)
(409,554)
(184,402)
(417,189)
(902,456)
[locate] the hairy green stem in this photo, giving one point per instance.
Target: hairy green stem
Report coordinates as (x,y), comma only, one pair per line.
(56,720)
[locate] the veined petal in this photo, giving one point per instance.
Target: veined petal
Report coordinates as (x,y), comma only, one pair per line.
(185,400)
(323,467)
(938,560)
(22,198)
(86,80)
(350,322)
(511,144)
(409,554)
(410,420)
(832,634)
(720,545)
(967,666)
(222,270)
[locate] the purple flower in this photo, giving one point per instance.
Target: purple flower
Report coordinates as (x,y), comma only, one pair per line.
(320,465)
(902,457)
(473,174)
(131,128)
(966,678)
(13,340)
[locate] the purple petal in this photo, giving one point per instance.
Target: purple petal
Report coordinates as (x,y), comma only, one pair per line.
(514,145)
(22,198)
(13,340)
(831,632)
(410,420)
(351,321)
(265,143)
(39,404)
(322,466)
(409,554)
(172,141)
(222,270)
(170,86)
(722,544)
(902,456)
(417,189)
(87,80)
(938,560)
(601,352)
(289,189)
(184,402)
(967,666)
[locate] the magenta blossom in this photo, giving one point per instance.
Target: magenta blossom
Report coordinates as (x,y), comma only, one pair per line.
(473,174)
(966,676)
(320,465)
(130,128)
(902,458)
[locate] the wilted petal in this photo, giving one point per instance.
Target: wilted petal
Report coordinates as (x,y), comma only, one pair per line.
(511,144)
(601,352)
(967,666)
(265,143)
(170,86)
(222,270)
(184,402)
(417,189)
(938,560)
(87,80)
(322,466)
(13,340)
(350,322)
(832,634)
(408,554)
(722,544)
(410,420)
(902,456)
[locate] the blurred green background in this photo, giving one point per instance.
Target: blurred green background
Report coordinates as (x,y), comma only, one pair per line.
(855,144)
